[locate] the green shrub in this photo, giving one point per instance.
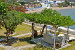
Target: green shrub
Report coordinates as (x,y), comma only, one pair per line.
(64,4)
(60,6)
(73,4)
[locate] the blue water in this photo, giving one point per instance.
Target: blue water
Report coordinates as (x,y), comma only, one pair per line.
(68,12)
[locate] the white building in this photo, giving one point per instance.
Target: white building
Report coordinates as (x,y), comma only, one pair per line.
(45,3)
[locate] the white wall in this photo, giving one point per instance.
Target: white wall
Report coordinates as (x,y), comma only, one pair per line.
(45,3)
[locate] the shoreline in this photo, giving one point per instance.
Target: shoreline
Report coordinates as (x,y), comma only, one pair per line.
(38,10)
(61,8)
(54,8)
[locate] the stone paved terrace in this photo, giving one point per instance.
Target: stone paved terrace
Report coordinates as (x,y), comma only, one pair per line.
(42,42)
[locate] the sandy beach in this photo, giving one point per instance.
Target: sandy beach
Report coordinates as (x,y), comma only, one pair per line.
(60,8)
(38,10)
(54,8)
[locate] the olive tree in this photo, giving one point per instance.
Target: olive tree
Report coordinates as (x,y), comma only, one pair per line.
(9,19)
(51,17)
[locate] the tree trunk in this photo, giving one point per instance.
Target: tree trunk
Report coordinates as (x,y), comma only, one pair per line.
(7,35)
(46,29)
(33,30)
(67,34)
(55,39)
(43,29)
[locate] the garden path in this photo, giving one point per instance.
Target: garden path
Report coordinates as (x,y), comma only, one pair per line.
(19,48)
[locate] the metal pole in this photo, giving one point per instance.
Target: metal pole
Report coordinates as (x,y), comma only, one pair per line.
(46,29)
(54,40)
(67,34)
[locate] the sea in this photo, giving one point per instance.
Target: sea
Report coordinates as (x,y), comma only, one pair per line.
(68,12)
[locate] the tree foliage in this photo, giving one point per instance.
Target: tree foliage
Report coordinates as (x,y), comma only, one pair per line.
(52,17)
(10,19)
(2,1)
(3,8)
